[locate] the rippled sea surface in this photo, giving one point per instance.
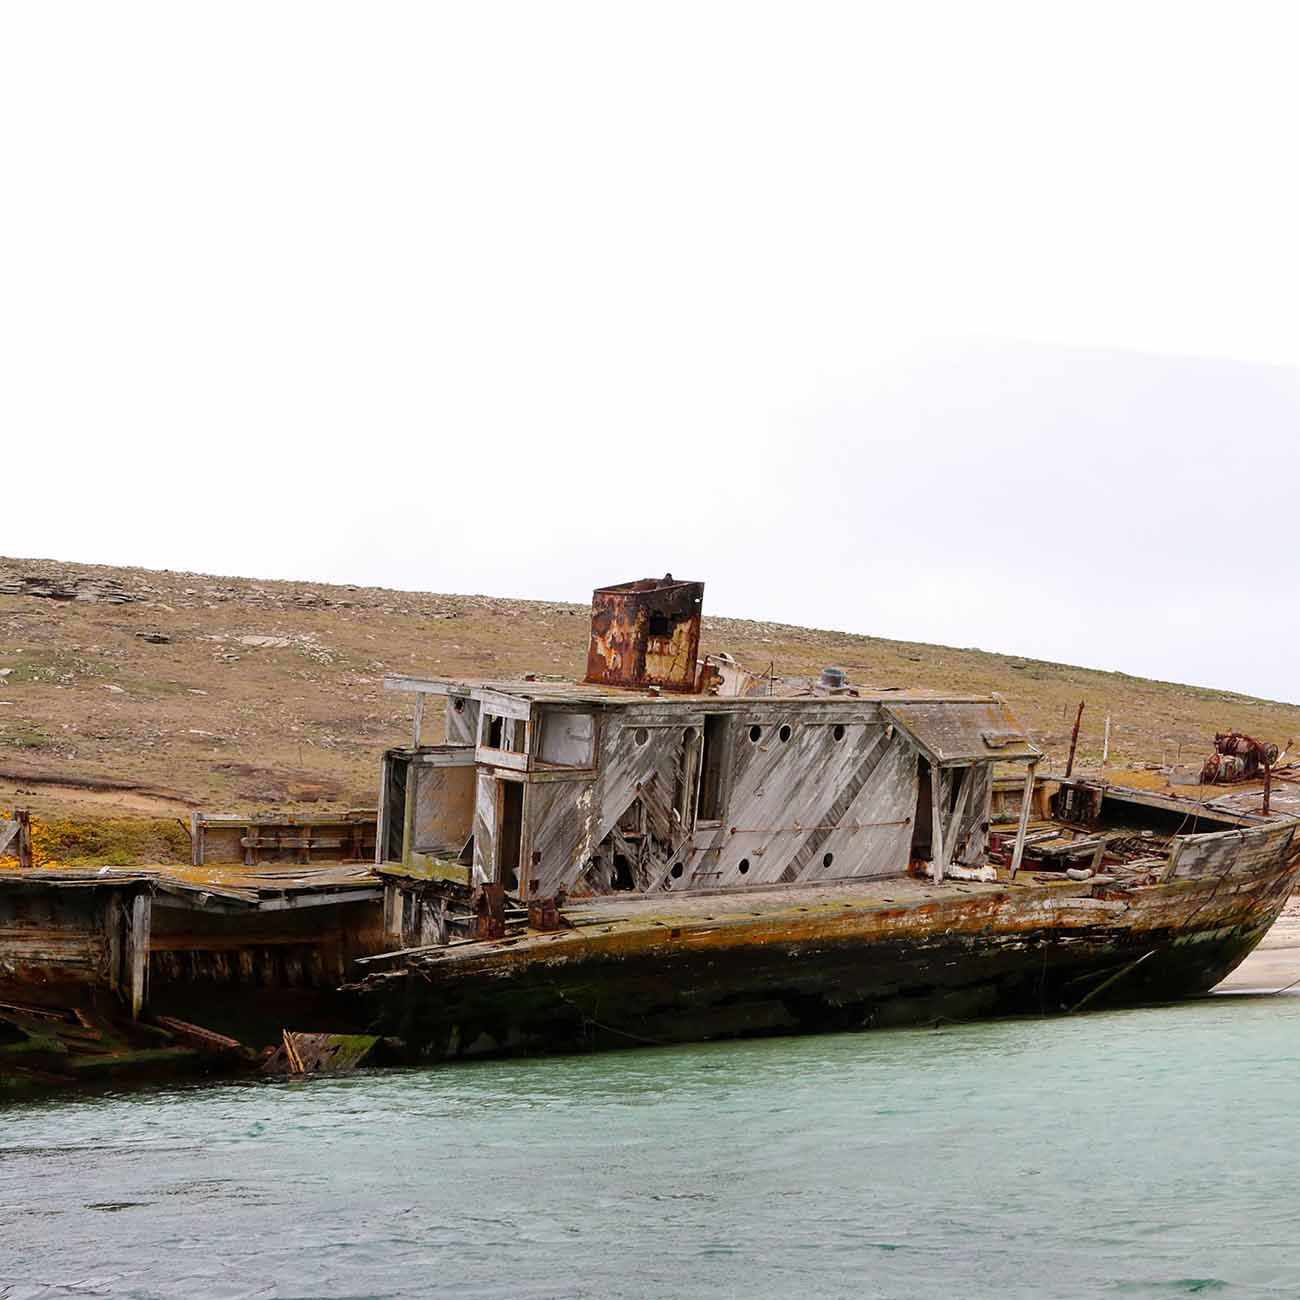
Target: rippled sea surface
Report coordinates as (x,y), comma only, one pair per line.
(1142,1153)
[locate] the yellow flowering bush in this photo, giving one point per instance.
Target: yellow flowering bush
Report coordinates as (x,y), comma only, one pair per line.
(98,842)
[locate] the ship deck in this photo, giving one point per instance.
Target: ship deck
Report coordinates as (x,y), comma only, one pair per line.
(771,913)
(216,887)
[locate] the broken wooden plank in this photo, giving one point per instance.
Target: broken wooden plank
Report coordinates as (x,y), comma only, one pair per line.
(301,1053)
(196,1036)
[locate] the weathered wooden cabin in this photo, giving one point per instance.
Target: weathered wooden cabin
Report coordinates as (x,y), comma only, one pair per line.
(648,778)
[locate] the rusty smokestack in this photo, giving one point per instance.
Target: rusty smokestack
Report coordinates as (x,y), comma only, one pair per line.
(645,634)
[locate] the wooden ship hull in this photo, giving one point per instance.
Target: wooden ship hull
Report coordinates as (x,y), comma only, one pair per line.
(118,974)
(672,850)
(663,853)
(830,958)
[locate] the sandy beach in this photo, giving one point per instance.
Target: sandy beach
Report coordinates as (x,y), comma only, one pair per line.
(1275,963)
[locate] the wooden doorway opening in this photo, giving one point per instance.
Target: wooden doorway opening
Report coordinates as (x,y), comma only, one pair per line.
(510,807)
(922,823)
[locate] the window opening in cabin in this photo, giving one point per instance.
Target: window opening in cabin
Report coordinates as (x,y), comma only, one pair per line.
(623,878)
(503,733)
(510,834)
(659,624)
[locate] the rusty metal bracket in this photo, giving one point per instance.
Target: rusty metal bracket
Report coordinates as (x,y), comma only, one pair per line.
(545,914)
(489,903)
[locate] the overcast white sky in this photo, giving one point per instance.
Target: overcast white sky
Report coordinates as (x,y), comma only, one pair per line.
(976,324)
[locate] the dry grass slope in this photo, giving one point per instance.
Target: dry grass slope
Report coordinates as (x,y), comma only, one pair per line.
(133,692)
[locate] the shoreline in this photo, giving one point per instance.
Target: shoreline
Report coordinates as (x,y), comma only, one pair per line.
(1275,963)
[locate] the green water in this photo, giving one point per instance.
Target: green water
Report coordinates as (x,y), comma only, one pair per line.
(1143,1153)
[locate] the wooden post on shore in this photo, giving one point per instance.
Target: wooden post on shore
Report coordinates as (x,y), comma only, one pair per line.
(1268,785)
(1105,745)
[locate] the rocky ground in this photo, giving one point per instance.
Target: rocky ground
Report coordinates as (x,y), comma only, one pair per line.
(134,692)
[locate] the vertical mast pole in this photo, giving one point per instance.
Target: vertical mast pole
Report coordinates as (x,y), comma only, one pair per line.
(1074,741)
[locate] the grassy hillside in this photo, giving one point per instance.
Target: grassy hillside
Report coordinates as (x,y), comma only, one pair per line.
(128,691)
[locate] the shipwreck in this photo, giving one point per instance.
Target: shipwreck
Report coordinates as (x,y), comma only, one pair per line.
(671,849)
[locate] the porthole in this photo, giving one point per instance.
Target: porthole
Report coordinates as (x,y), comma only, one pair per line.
(688,735)
(756,733)
(827,859)
(743,866)
(785,732)
(458,704)
(641,735)
(676,872)
(838,731)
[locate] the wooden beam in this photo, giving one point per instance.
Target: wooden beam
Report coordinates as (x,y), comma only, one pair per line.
(425,685)
(394,908)
(419,721)
(16,837)
(967,778)
(1026,800)
(936,824)
(291,902)
(113,927)
(503,705)
(381,817)
(138,953)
